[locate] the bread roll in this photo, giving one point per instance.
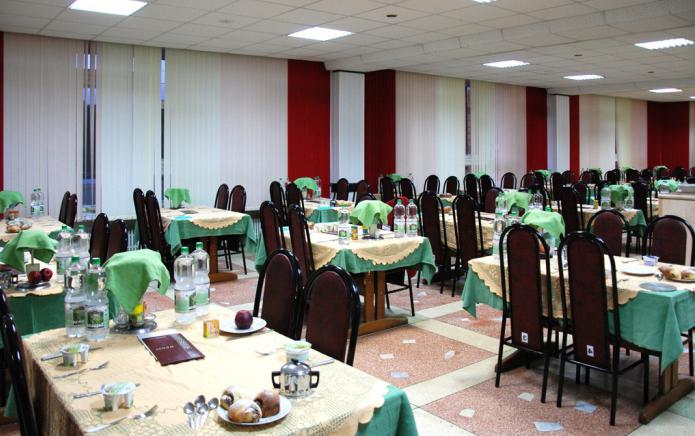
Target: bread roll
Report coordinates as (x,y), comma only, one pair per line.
(244,410)
(269,402)
(233,394)
(688,274)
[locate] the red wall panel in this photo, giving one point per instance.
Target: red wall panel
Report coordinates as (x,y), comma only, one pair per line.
(668,134)
(308,121)
(536,129)
(379,125)
(574,134)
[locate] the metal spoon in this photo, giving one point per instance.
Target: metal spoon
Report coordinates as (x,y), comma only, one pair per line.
(189,410)
(96,368)
(93,393)
(213,404)
(659,275)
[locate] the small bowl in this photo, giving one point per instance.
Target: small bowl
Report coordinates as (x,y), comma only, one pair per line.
(71,352)
(118,395)
(650,260)
(298,350)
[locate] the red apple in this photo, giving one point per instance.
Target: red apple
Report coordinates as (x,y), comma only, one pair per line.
(243,319)
(34,277)
(46,274)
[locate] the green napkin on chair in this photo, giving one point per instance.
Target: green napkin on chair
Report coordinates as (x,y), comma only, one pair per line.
(518,199)
(479,174)
(9,198)
(35,241)
(130,273)
(551,222)
(619,193)
(545,173)
(672,184)
(395,177)
(306,182)
(177,196)
(370,212)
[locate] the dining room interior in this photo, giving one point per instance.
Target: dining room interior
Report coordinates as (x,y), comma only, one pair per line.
(371,217)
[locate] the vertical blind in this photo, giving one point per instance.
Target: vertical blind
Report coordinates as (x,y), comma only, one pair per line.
(631,132)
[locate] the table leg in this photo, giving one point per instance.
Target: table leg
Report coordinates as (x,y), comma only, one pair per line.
(672,389)
(215,275)
(374,298)
(516,359)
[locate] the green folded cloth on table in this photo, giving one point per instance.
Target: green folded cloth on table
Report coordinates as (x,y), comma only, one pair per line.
(672,185)
(479,174)
(36,242)
(550,222)
(518,199)
(306,182)
(370,212)
(545,173)
(128,275)
(177,196)
(395,177)
(9,198)
(620,193)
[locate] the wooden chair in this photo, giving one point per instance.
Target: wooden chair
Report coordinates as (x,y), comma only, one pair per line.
(277,196)
(367,196)
(279,289)
(387,189)
(587,177)
(486,183)
(99,238)
(610,225)
(522,297)
(118,239)
(585,315)
(556,185)
(508,181)
(222,196)
(333,317)
(662,173)
(569,178)
(691,173)
(571,208)
(432,217)
(408,189)
(472,188)
(71,211)
(527,180)
(234,244)
(631,175)
(342,186)
(613,177)
(361,189)
(452,185)
(679,173)
(647,174)
(144,236)
(467,230)
(582,191)
(62,215)
(490,203)
(432,183)
(157,242)
(301,241)
(293,196)
(271,227)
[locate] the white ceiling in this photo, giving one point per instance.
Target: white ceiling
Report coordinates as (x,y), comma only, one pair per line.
(445,37)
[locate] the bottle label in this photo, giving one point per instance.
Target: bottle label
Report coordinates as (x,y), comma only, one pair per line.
(343,234)
(95,319)
(202,295)
(78,316)
(412,228)
(182,303)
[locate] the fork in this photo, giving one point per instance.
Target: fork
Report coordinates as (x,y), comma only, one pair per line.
(83,370)
(136,417)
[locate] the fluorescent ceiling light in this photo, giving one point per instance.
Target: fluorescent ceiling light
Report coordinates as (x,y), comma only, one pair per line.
(666,43)
(505,64)
(692,97)
(116,7)
(320,33)
(665,90)
(585,77)
(484,1)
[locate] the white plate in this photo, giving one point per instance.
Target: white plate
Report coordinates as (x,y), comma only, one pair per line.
(638,270)
(285,407)
(229,326)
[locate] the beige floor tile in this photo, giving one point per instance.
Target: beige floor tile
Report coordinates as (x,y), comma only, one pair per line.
(667,424)
(428,424)
(459,334)
(434,312)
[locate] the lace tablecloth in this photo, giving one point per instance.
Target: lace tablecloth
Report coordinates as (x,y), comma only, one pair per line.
(45,224)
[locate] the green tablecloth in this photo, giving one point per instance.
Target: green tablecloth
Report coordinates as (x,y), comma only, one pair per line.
(672,185)
(395,177)
(652,320)
(323,215)
(370,212)
(34,241)
(177,195)
(9,198)
(516,198)
(306,182)
(130,273)
(394,418)
(545,173)
(183,229)
(551,222)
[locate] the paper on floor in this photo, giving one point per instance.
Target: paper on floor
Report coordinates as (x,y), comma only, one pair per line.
(386,356)
(585,407)
(399,374)
(421,294)
(526,396)
(465,320)
(409,341)
(449,354)
(467,413)
(548,426)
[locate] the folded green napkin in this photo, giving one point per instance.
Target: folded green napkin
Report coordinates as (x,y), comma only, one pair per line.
(479,174)
(658,167)
(550,222)
(545,173)
(518,199)
(9,198)
(626,168)
(34,241)
(370,212)
(395,177)
(672,185)
(306,182)
(130,273)
(620,193)
(177,195)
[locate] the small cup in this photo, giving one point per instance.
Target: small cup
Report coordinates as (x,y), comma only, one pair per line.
(118,395)
(650,260)
(297,350)
(71,352)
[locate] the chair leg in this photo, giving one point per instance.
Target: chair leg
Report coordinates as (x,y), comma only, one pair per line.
(498,368)
(243,257)
(412,301)
(561,379)
(645,361)
(386,294)
(577,376)
(614,396)
(418,279)
(545,374)
(456,276)
(586,376)
(690,350)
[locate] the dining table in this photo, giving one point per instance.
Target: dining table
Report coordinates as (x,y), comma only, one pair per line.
(319,210)
(648,319)
(373,258)
(209,223)
(347,401)
(47,224)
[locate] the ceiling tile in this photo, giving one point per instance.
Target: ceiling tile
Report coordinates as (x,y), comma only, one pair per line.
(510,21)
(126,33)
(61,3)
(276,27)
(148,24)
(288,41)
(613,4)
(208,5)
(308,17)
(426,37)
(248,36)
(591,33)
(354,24)
(432,23)
(530,5)
(22,21)
(474,14)
(179,39)
(343,7)
(173,13)
(201,30)
(465,29)
(82,28)
(29,9)
(89,17)
(432,6)
(225,20)
(562,11)
(66,34)
(362,39)
(393,31)
(403,14)
(650,24)
(223,44)
(254,8)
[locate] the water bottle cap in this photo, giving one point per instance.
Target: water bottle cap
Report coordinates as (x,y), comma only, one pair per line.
(184,250)
(198,245)
(80,228)
(75,259)
(65,227)
(95,261)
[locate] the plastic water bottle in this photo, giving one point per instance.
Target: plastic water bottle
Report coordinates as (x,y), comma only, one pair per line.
(630,201)
(317,194)
(605,198)
(75,317)
(536,201)
(184,289)
(412,219)
(499,225)
(36,203)
(501,204)
(344,227)
(80,246)
(399,219)
(63,252)
(201,279)
(42,201)
(96,302)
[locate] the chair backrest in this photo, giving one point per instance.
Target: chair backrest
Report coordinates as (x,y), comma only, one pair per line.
(361,189)
(15,363)
(452,185)
(679,173)
(71,211)
(333,316)
(582,191)
(508,181)
(486,183)
(527,180)
(613,177)
(432,183)
(408,189)
(642,194)
(342,186)
(690,180)
(293,196)
(540,178)
(237,199)
(154,218)
(271,227)
(556,185)
(222,196)
(587,177)
(99,238)
(4,304)
(280,290)
(692,172)
(571,209)
(301,241)
(144,234)
(367,196)
(432,216)
(277,196)
(631,175)
(64,207)
(467,228)
(647,174)
(586,313)
(569,178)
(387,189)
(491,199)
(522,293)
(667,237)
(470,185)
(610,225)
(663,173)
(118,238)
